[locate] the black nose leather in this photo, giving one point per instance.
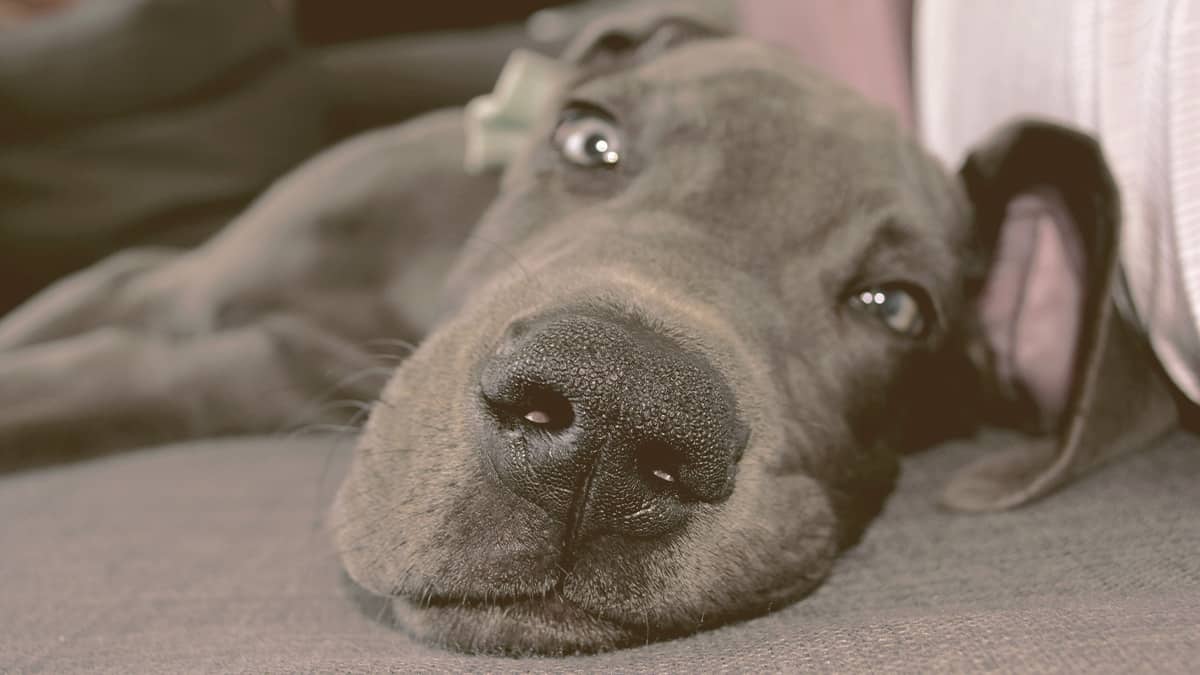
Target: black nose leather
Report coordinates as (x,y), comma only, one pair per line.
(607,425)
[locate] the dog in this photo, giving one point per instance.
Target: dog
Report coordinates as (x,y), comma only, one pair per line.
(683,343)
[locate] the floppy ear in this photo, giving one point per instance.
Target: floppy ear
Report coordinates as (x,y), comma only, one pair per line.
(1061,358)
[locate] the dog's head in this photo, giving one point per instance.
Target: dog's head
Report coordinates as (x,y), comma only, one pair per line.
(716,299)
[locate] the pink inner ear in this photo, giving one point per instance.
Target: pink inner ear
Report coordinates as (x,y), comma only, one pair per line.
(1032,303)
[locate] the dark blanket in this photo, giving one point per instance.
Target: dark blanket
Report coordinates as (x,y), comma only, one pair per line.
(140,122)
(129,122)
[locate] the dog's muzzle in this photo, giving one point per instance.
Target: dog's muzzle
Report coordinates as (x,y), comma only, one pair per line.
(608,426)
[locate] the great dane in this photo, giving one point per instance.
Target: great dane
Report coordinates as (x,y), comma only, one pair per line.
(667,364)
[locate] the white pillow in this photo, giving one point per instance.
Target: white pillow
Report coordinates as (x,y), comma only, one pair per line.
(1128,72)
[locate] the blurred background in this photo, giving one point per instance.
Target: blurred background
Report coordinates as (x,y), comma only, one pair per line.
(154,122)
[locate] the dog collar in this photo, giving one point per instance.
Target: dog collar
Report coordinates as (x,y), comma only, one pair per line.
(498,123)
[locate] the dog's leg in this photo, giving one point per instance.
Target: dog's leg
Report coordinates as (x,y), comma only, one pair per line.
(80,302)
(112,388)
(352,248)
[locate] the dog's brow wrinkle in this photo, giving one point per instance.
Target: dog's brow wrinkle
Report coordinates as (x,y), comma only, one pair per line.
(888,236)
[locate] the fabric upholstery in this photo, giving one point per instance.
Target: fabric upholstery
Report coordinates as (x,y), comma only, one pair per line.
(211,557)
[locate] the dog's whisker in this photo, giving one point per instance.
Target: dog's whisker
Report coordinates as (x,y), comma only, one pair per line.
(429,426)
(389,452)
(328,428)
(319,496)
(363,407)
(360,543)
(322,410)
(372,531)
(392,360)
(384,607)
(348,550)
(382,400)
(333,526)
(356,377)
(392,342)
(369,520)
(318,404)
(385,370)
(322,428)
(389,360)
(352,428)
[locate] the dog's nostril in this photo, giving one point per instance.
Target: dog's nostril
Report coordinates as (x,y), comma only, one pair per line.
(547,409)
(660,464)
(603,418)
(539,407)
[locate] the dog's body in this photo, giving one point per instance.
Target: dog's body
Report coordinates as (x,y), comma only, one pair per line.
(668,386)
(274,316)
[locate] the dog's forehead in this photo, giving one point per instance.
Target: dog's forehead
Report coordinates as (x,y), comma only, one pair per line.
(749,125)
(742,95)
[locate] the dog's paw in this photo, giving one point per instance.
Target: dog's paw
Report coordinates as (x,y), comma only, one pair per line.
(85,300)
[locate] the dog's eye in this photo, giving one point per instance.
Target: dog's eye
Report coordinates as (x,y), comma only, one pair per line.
(895,306)
(588,138)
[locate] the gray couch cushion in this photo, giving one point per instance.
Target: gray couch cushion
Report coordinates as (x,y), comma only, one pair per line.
(212,557)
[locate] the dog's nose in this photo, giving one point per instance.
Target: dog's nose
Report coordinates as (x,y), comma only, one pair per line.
(608,425)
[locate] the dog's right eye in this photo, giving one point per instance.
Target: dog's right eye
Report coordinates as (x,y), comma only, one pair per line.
(900,309)
(588,138)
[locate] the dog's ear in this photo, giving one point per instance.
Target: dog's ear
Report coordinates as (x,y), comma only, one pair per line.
(1059,355)
(644,30)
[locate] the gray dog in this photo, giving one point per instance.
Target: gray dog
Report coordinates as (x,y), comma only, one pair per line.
(712,302)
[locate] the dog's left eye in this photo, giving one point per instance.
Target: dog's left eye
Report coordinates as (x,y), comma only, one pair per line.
(588,139)
(895,306)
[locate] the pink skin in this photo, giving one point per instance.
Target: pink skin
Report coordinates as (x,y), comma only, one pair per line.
(863,43)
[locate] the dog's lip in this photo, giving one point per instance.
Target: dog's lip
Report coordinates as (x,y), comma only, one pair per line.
(517,626)
(448,600)
(549,603)
(550,598)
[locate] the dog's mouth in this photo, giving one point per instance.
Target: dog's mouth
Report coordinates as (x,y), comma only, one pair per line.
(616,434)
(583,497)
